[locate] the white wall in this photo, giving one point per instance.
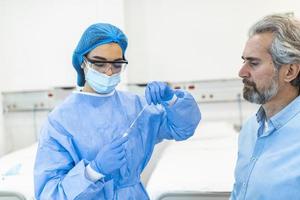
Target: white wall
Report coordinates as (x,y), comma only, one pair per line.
(38,37)
(181,40)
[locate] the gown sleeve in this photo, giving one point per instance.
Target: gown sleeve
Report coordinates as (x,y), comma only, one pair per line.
(180,120)
(58,171)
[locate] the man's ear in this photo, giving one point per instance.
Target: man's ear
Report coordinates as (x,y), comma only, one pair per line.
(291,72)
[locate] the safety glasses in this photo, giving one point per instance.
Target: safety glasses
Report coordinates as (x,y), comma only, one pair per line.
(104,66)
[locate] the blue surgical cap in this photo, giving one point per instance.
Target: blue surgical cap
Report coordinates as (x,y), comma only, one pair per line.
(96,35)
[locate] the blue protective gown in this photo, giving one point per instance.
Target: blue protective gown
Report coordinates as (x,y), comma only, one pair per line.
(77,129)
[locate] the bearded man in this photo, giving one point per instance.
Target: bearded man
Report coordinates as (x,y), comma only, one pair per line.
(268,164)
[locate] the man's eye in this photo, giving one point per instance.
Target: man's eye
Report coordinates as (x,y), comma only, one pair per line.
(254,63)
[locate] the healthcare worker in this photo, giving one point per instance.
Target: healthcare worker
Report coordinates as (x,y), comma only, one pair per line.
(83,151)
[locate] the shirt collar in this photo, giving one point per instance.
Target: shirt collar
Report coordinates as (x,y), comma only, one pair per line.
(286,114)
(260,115)
(283,116)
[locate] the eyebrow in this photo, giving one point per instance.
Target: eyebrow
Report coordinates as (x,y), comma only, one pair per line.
(102,58)
(250,58)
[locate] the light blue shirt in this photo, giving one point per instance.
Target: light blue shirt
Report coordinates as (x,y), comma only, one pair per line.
(268,165)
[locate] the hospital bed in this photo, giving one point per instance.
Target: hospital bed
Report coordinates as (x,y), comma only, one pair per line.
(11,196)
(16,174)
(199,168)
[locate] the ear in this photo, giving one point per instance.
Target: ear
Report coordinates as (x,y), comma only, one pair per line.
(291,72)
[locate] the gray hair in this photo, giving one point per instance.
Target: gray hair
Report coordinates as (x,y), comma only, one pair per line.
(285,47)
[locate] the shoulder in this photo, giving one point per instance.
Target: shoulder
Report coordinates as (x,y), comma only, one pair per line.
(250,122)
(58,118)
(66,106)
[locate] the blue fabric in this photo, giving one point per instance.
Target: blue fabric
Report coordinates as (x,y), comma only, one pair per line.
(81,126)
(96,35)
(102,83)
(160,92)
(111,157)
(268,157)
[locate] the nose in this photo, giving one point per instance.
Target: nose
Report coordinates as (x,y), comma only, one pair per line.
(244,72)
(109,71)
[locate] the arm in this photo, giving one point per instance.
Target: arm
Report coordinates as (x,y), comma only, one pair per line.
(181,116)
(58,172)
(180,119)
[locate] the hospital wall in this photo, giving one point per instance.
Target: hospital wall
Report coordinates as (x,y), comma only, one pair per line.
(169,40)
(177,40)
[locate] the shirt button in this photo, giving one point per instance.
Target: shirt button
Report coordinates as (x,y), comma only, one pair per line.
(244,184)
(253,159)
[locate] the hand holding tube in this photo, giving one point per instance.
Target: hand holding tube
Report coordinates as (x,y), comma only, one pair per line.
(159,92)
(111,157)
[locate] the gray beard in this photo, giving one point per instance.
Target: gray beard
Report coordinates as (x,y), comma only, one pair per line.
(253,95)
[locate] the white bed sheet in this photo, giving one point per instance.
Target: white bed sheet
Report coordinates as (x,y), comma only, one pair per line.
(204,163)
(16,172)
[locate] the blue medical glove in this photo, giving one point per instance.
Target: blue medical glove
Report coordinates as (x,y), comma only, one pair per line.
(111,157)
(159,92)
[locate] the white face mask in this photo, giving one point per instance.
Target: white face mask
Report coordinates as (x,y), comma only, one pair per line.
(100,82)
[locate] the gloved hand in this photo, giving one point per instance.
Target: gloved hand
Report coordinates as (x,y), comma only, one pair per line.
(159,92)
(111,157)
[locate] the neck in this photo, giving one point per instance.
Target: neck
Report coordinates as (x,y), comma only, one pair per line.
(281,100)
(87,88)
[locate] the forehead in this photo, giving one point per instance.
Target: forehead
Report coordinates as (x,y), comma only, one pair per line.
(110,50)
(258,45)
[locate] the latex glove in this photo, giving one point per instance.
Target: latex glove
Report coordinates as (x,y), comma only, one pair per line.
(159,92)
(111,157)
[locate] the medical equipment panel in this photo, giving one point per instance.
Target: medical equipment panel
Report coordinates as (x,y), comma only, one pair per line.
(24,112)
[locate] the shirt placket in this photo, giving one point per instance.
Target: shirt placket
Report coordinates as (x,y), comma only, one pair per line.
(259,145)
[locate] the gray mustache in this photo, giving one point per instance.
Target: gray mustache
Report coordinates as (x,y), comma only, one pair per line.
(247,82)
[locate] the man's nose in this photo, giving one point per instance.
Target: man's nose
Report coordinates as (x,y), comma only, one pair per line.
(244,72)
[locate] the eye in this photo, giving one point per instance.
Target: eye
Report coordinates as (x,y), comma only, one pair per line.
(118,65)
(254,63)
(99,64)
